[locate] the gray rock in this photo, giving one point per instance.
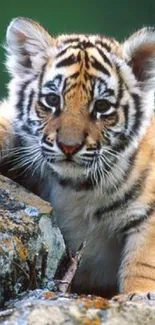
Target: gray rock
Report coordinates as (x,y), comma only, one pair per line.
(31,244)
(45,308)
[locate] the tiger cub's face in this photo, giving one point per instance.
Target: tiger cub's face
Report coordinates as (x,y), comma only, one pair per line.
(82,96)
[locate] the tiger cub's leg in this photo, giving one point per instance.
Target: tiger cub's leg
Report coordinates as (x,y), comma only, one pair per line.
(6,137)
(137,270)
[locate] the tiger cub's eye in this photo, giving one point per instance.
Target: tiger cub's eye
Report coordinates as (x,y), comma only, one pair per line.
(102,106)
(52,100)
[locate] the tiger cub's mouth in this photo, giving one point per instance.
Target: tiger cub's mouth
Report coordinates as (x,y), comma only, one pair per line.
(55,158)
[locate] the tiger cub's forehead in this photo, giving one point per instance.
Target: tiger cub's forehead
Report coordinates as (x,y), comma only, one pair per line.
(85,41)
(86,59)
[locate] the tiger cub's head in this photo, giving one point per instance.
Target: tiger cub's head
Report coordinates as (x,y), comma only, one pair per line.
(87,98)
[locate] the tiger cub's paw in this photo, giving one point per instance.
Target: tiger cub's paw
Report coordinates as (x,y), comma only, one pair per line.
(135,297)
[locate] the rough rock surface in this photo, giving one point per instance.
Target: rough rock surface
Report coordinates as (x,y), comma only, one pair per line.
(47,308)
(31,245)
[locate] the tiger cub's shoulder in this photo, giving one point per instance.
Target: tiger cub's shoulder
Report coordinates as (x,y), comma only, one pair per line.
(7,133)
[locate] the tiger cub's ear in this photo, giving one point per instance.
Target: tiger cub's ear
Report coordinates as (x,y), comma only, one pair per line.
(139,52)
(28,45)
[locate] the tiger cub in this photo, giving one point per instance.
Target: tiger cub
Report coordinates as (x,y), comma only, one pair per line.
(78,129)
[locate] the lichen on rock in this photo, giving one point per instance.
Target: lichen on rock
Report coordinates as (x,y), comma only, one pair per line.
(41,307)
(31,244)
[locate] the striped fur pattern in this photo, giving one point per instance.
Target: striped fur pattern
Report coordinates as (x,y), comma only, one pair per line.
(79,121)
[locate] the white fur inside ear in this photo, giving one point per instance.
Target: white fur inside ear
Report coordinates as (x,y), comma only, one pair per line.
(142,37)
(29,46)
(139,52)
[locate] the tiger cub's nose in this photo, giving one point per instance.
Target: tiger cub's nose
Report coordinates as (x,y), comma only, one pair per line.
(69,149)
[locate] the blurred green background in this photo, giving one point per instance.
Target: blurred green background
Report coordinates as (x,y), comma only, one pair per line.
(117,18)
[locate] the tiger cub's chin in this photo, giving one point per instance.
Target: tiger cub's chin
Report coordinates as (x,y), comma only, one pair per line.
(68,170)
